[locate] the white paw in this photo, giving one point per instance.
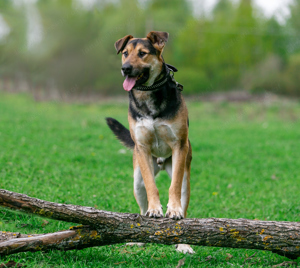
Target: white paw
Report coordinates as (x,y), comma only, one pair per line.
(174,213)
(184,248)
(131,244)
(155,213)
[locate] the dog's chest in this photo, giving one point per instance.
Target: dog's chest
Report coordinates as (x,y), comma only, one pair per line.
(160,135)
(147,103)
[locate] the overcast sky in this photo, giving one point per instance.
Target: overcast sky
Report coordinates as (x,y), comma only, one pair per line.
(279,8)
(269,7)
(274,6)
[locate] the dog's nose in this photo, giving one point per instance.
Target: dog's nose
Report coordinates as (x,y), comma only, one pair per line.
(126,69)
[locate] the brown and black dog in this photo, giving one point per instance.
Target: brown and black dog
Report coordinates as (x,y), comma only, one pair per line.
(158,122)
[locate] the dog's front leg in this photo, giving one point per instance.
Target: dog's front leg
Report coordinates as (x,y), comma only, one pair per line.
(145,162)
(179,155)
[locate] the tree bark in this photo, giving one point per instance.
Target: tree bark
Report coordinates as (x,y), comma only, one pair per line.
(75,238)
(106,228)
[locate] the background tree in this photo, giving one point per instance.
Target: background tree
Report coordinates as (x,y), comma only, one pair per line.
(219,50)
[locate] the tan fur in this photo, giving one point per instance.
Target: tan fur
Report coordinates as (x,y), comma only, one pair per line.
(138,63)
(181,157)
(158,138)
(159,143)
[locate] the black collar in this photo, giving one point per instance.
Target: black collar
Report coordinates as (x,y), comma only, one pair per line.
(168,75)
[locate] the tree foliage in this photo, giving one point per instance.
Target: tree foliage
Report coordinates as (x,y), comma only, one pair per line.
(220,50)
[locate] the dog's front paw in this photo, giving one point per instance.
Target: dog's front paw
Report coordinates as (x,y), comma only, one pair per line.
(174,213)
(184,248)
(154,212)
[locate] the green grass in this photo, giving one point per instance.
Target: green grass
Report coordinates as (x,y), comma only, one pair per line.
(246,160)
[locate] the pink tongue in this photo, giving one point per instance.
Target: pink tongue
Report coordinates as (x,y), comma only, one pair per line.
(129,83)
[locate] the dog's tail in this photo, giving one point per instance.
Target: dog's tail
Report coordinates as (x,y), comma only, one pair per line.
(121,132)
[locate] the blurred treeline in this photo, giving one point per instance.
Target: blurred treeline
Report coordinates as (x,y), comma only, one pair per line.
(63,47)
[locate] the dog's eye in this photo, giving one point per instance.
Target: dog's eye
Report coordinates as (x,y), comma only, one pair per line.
(142,53)
(125,54)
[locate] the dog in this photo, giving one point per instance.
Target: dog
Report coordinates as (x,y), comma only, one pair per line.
(158,126)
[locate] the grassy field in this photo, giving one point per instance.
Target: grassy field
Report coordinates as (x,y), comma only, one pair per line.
(246,160)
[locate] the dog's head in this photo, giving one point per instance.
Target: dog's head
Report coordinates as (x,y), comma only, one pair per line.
(141,58)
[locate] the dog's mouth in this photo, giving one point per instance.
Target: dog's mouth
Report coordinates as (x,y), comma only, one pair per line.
(131,81)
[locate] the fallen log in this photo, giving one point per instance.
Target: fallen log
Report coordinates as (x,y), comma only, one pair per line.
(106,228)
(75,238)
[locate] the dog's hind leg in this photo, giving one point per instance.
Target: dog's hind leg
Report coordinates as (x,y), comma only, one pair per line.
(139,190)
(185,187)
(140,193)
(185,198)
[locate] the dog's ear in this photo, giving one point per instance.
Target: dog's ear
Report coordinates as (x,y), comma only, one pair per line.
(121,43)
(158,39)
